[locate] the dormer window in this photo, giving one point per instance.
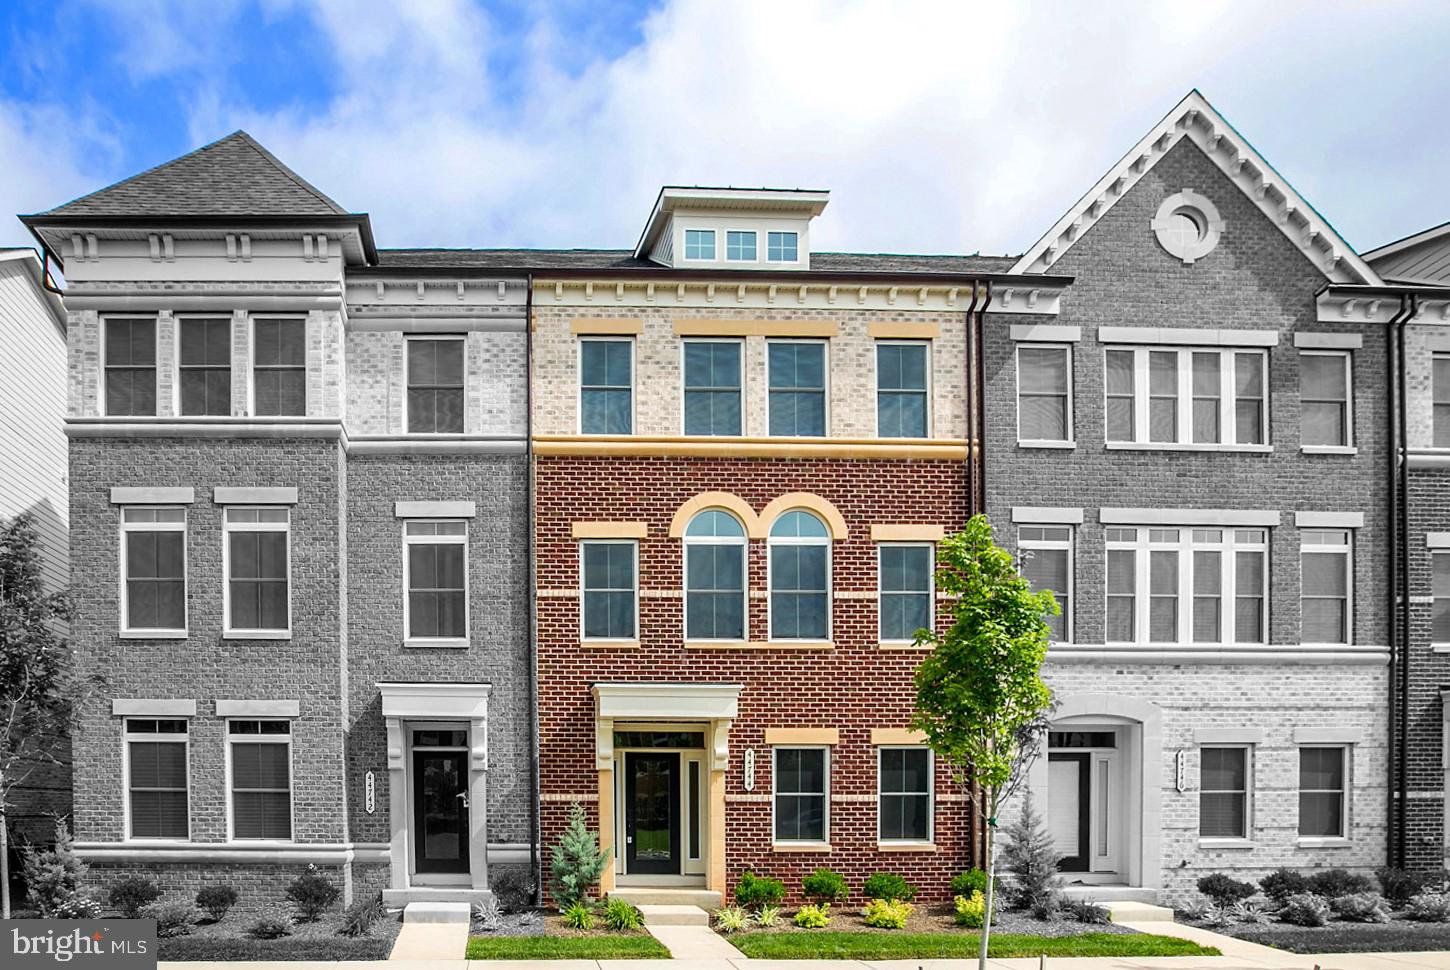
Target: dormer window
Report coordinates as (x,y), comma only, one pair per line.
(781,247)
(699,243)
(740,246)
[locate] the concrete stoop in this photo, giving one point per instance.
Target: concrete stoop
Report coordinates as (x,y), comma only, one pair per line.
(705,899)
(657,914)
(429,911)
(1132,911)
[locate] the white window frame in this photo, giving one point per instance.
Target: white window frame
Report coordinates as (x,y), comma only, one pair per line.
(825,383)
(714,244)
(1311,544)
(1068,544)
(126,527)
(634,552)
(462,341)
(1188,540)
(930,794)
(180,322)
(127,738)
(684,389)
(286,739)
(155,320)
(633,382)
(1183,435)
(687,540)
(1347,447)
(881,594)
(453,539)
(228,527)
(1441,646)
(783,232)
(251,390)
(1071,440)
(770,543)
(1435,402)
(754,246)
(1248,794)
(775,792)
(926,391)
(1346,802)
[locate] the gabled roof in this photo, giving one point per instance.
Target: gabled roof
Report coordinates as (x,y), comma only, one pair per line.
(234,176)
(1194,118)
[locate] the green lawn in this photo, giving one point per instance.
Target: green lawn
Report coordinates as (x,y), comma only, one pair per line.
(845,945)
(643,947)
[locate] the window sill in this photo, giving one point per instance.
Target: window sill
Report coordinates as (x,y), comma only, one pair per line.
(903,645)
(759,644)
(609,644)
(153,634)
(1440,648)
(1064,445)
(1180,446)
(446,644)
(256,634)
(1305,842)
(800,847)
(1226,844)
(1329,449)
(905,846)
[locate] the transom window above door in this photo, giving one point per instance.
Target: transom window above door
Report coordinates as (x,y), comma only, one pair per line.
(1186,396)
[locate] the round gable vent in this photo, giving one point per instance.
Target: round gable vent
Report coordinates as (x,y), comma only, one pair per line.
(1187,226)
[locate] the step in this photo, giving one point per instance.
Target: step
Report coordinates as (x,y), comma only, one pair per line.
(1131,911)
(656,914)
(705,899)
(1110,893)
(436,912)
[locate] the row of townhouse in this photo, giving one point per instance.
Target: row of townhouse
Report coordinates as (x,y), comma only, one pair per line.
(389,557)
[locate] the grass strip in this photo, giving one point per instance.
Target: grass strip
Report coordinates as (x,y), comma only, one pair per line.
(846,945)
(643,947)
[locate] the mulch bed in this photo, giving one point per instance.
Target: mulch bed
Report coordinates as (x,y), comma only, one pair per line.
(1344,937)
(227,940)
(938,918)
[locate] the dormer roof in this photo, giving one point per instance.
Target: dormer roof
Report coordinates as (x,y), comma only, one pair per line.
(1421,258)
(804,203)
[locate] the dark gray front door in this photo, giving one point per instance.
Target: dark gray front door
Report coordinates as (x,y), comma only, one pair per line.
(440,811)
(652,812)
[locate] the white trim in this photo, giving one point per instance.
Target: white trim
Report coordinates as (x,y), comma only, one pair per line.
(251,709)
(152,708)
(739,343)
(228,740)
(223,495)
(685,244)
(1437,342)
(1070,422)
(930,795)
(1278,655)
(754,245)
(1261,518)
(1329,520)
(1215,737)
(579,343)
(1046,515)
(1328,341)
(1068,545)
(408,339)
(1246,834)
(686,541)
(230,527)
(796,246)
(929,593)
(155,319)
(127,739)
(1345,549)
(1346,799)
(825,749)
(1197,120)
(182,495)
(1408,242)
(926,392)
(1188,337)
(633,544)
(1184,395)
(124,628)
(825,542)
(1347,445)
(1201,207)
(1044,333)
(825,345)
(434,701)
(666,702)
(1437,540)
(434,510)
(458,539)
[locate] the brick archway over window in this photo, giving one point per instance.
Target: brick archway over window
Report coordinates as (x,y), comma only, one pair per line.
(834,520)
(733,504)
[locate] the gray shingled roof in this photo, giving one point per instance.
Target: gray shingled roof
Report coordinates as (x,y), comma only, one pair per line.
(231,177)
(444,259)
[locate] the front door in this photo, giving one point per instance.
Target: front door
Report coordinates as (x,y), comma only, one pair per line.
(652,813)
(440,811)
(1069,808)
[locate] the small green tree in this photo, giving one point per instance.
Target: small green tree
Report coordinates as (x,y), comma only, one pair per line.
(980,697)
(578,862)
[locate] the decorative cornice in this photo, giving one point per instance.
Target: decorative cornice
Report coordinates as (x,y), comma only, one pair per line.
(926,296)
(1341,306)
(664,446)
(1287,655)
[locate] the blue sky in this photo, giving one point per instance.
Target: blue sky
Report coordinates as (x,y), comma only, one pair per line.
(939,127)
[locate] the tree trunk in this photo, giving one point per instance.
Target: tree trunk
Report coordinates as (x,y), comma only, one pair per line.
(4,862)
(991,893)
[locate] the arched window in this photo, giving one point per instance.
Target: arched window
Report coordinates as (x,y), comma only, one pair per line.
(714,577)
(800,578)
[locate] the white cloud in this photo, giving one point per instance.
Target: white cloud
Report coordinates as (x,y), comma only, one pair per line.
(48,155)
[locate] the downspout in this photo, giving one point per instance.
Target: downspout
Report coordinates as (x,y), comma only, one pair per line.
(45,277)
(970,336)
(1394,378)
(535,822)
(981,429)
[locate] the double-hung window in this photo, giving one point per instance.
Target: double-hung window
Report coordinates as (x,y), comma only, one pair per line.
(606,385)
(802,794)
(435,577)
(261,778)
(1324,399)
(257,573)
(796,374)
(279,366)
(781,247)
(1044,394)
(435,385)
(800,578)
(740,246)
(1189,585)
(1324,565)
(714,577)
(901,389)
(905,596)
(712,387)
(904,794)
(1223,792)
(1440,399)
(1047,564)
(206,366)
(1440,597)
(130,366)
(1323,792)
(609,604)
(1186,396)
(699,243)
(153,558)
(156,778)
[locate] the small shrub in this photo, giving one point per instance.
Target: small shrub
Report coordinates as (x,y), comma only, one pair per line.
(887,914)
(488,914)
(77,906)
(826,886)
(577,861)
(1218,916)
(129,896)
(1429,908)
(888,885)
(578,916)
(530,918)
(971,881)
(1086,911)
(1304,909)
(813,916)
(359,918)
(216,901)
(173,918)
(313,893)
(53,878)
(1224,890)
(768,916)
(753,892)
(1249,912)
(270,926)
(1398,885)
(1030,862)
(1362,908)
(621,915)
(971,910)
(1333,883)
(513,887)
(1197,911)
(1048,906)
(731,919)
(1280,884)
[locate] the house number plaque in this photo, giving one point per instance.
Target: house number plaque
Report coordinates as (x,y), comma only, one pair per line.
(370,793)
(1181,764)
(750,769)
